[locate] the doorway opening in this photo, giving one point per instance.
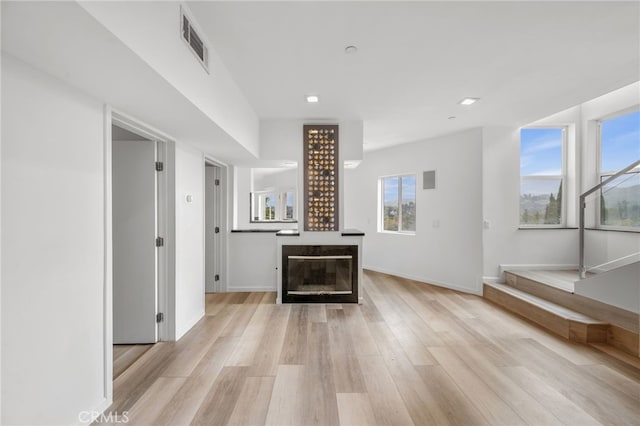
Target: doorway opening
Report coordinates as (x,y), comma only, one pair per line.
(138,229)
(213,226)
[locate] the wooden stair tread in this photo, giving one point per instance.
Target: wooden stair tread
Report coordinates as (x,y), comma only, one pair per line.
(562,279)
(551,307)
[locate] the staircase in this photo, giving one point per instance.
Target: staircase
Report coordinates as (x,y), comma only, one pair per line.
(577,305)
(548,299)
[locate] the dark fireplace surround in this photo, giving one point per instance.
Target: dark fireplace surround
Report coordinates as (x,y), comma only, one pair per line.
(320,274)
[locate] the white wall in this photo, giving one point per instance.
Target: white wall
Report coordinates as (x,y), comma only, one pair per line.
(281,139)
(241,204)
(52,249)
(604,247)
(286,178)
(448,254)
(189,299)
(620,287)
(252,255)
(503,242)
(158,42)
(1,239)
(252,261)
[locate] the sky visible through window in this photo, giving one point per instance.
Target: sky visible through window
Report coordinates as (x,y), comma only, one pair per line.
(541,152)
(619,147)
(391,190)
(620,142)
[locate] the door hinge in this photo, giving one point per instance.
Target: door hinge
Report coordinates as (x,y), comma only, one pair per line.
(217,182)
(217,277)
(217,230)
(159,166)
(159,242)
(159,317)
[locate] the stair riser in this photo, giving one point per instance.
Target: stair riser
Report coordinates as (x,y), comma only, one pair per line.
(607,313)
(624,340)
(591,333)
(571,330)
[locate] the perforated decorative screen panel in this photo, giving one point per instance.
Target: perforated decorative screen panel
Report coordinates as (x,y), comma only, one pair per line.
(321,177)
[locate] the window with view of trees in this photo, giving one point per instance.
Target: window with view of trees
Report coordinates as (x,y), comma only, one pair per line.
(398,203)
(619,147)
(273,206)
(542,176)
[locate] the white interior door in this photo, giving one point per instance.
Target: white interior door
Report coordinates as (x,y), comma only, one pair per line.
(134,249)
(211,212)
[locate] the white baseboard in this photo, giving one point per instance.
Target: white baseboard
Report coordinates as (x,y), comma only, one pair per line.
(476,291)
(493,280)
(614,264)
(250,289)
(86,417)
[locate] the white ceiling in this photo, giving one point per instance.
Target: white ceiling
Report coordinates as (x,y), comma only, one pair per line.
(64,41)
(416,60)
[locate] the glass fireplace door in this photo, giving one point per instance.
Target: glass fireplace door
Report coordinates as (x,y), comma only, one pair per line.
(320,275)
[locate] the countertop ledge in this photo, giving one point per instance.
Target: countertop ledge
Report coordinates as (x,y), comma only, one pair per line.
(352,233)
(344,233)
(273,231)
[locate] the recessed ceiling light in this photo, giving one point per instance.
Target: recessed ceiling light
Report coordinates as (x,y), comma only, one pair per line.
(469,101)
(312,99)
(350,50)
(289,164)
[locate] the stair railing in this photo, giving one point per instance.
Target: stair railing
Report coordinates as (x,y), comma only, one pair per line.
(583,205)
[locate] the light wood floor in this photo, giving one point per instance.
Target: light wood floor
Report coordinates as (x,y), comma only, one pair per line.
(125,355)
(411,354)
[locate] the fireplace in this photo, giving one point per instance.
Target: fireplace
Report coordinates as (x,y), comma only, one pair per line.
(320,274)
(321,263)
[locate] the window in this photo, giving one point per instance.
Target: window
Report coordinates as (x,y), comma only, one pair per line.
(398,204)
(619,147)
(273,206)
(288,204)
(542,176)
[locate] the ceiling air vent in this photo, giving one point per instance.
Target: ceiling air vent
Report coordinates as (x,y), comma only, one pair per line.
(193,40)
